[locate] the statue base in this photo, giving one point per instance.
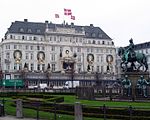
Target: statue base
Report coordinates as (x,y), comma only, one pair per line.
(134,76)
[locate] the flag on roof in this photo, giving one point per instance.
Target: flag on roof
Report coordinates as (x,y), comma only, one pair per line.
(72,17)
(67,12)
(56,15)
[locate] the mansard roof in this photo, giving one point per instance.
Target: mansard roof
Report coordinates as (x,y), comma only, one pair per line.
(37,28)
(142,46)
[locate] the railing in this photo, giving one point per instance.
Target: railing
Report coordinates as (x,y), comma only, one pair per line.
(77,110)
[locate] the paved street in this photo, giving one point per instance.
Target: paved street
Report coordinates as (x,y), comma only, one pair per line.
(14,118)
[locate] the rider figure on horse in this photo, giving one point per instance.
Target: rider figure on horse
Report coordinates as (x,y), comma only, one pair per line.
(130,51)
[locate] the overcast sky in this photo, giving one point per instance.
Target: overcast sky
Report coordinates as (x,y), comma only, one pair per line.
(120,19)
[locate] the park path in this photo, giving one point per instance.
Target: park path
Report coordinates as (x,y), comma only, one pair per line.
(14,118)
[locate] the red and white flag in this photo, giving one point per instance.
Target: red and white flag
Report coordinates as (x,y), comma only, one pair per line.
(72,17)
(56,15)
(67,12)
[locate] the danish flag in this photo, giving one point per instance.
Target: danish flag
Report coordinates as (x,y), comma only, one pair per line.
(72,17)
(67,12)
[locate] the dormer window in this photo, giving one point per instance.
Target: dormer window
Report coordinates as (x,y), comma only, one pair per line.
(93,35)
(87,34)
(29,31)
(21,30)
(100,35)
(38,31)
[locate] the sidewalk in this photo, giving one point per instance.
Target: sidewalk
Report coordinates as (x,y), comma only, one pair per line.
(14,118)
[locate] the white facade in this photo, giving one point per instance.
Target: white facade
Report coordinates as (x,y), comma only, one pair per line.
(51,44)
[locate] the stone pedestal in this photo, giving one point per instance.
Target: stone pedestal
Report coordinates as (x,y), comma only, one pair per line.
(78,111)
(19,113)
(134,77)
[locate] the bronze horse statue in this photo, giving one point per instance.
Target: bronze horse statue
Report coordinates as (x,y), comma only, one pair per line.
(126,58)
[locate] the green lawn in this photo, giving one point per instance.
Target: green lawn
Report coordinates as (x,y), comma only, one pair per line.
(30,113)
(71,100)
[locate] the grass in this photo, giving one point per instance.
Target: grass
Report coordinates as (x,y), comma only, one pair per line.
(72,100)
(30,113)
(68,99)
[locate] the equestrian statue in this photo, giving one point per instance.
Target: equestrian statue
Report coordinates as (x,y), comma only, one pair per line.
(129,57)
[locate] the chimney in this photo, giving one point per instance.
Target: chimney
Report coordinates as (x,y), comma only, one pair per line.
(46,21)
(25,20)
(91,25)
(72,24)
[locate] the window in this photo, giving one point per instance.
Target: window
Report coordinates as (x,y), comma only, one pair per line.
(18,37)
(88,49)
(79,58)
(102,68)
(43,48)
(146,51)
(50,38)
(53,67)
(32,66)
(27,65)
(20,66)
(100,35)
(97,69)
(110,51)
(107,50)
(53,48)
(15,66)
(53,57)
(93,35)
(30,38)
(38,31)
(112,43)
(76,39)
(21,30)
(38,47)
(31,47)
(79,68)
(7,55)
(103,42)
(23,37)
(20,46)
(89,41)
(34,38)
(7,66)
(7,46)
(80,40)
(54,38)
(97,58)
(93,41)
(101,58)
(11,37)
(26,47)
(60,39)
(27,56)
(15,46)
(97,50)
(78,49)
(31,56)
(29,30)
(71,48)
(43,67)
(38,67)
